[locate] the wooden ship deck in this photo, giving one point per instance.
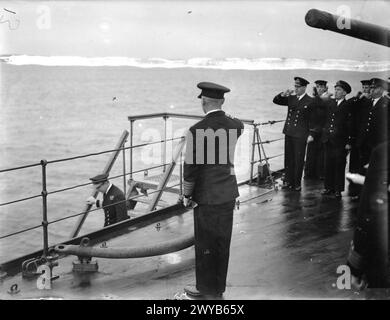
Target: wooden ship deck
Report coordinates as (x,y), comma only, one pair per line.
(285,245)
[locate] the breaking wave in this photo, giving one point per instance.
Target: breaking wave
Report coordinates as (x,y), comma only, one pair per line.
(206,63)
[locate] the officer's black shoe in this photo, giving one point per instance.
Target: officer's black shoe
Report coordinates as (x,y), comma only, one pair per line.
(192,291)
(216,296)
(326,192)
(337,195)
(286,186)
(299,188)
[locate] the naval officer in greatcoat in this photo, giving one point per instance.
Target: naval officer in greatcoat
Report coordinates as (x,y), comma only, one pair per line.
(114,201)
(369,254)
(296,130)
(210,182)
(336,135)
(361,104)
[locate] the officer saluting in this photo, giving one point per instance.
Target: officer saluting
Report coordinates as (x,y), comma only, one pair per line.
(314,164)
(210,181)
(296,130)
(114,204)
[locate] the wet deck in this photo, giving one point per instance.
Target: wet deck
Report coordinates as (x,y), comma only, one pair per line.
(285,245)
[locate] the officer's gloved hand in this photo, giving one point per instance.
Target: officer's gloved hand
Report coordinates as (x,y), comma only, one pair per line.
(91,201)
(310,139)
(188,203)
(355,178)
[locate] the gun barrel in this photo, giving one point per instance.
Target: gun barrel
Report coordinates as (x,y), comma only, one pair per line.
(347,26)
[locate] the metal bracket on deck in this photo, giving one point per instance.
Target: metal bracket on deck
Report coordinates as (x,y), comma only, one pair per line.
(30,267)
(85,264)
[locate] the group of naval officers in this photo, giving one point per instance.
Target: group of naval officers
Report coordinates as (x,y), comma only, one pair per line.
(321,130)
(328,128)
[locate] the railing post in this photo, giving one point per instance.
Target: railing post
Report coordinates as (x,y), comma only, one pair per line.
(266,159)
(124,168)
(164,156)
(181,173)
(44,210)
(131,149)
(253,152)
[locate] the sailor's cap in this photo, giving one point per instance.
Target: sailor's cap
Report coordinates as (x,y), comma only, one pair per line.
(365,82)
(344,85)
(301,81)
(321,82)
(100,178)
(376,82)
(212,90)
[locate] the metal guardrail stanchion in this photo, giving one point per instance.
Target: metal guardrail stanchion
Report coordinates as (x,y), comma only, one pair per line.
(44,210)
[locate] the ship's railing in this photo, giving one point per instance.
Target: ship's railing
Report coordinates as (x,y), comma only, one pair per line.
(44,193)
(43,164)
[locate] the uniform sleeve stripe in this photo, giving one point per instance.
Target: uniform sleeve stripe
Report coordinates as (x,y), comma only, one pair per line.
(188,187)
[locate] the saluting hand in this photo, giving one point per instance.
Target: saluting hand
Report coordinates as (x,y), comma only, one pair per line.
(326,95)
(287,93)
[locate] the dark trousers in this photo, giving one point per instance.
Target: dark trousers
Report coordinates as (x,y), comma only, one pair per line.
(213,232)
(335,161)
(364,153)
(294,157)
(314,164)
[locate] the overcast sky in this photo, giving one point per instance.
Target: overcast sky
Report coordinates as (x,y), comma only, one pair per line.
(184,29)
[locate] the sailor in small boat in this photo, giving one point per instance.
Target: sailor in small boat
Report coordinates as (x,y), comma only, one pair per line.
(114,201)
(336,134)
(296,131)
(210,181)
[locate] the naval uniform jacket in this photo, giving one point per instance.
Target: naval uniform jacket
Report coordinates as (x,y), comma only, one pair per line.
(213,183)
(376,128)
(298,121)
(337,126)
(359,112)
(114,206)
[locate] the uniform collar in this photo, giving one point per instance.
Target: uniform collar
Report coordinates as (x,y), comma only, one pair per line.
(213,112)
(301,96)
(338,102)
(108,189)
(375,101)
